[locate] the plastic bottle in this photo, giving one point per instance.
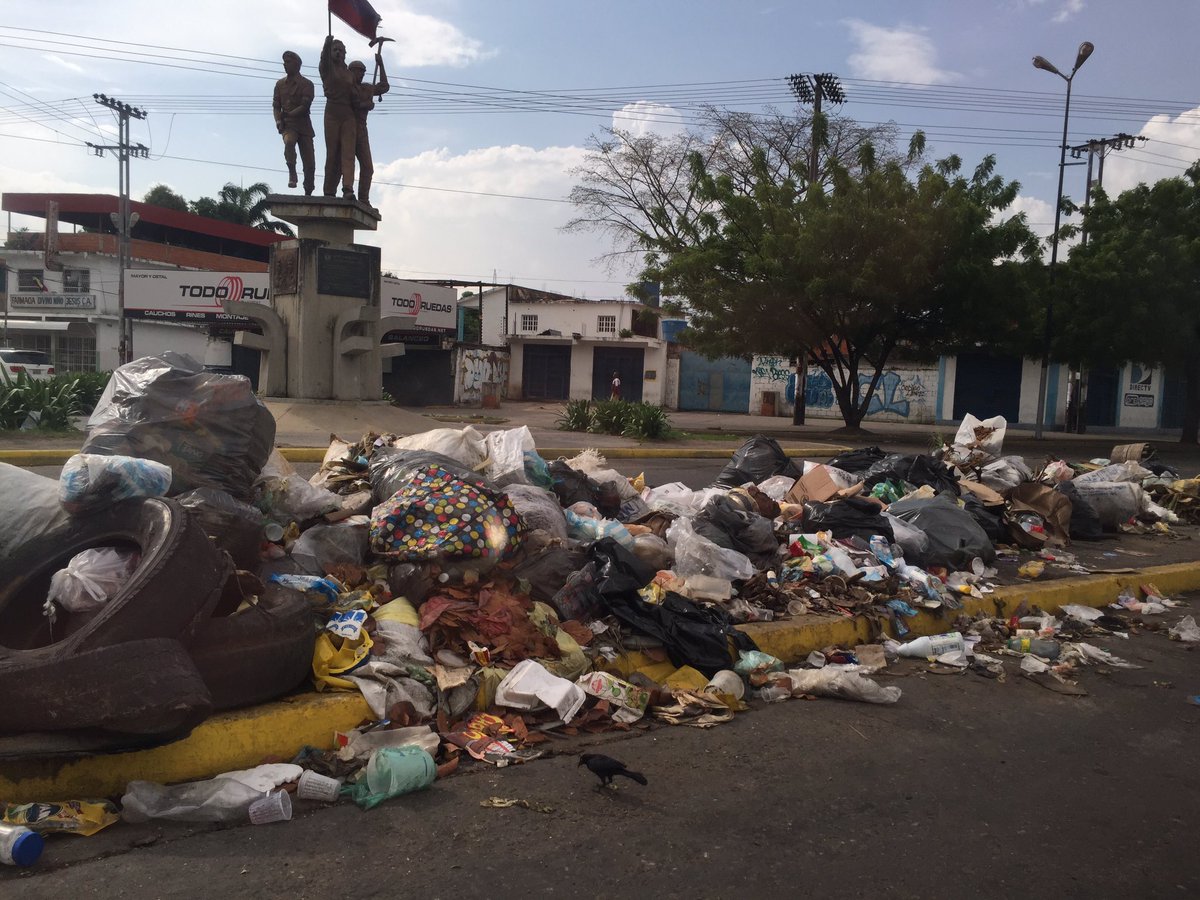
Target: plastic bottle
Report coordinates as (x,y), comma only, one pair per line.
(1037,646)
(939,644)
(19,846)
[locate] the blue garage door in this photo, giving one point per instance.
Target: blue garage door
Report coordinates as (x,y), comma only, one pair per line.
(986,386)
(713,385)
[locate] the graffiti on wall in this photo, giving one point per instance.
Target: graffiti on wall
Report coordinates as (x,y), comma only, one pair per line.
(477,367)
(903,395)
(771,368)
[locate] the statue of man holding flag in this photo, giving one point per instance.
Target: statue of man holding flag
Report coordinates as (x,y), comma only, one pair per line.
(339,84)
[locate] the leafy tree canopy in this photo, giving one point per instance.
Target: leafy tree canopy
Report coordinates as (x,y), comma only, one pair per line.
(1132,292)
(243,206)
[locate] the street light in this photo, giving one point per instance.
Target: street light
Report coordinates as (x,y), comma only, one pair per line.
(1040,62)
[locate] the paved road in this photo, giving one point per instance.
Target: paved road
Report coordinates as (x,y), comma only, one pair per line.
(966,787)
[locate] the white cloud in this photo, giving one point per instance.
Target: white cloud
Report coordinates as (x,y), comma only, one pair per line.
(895,54)
(1173,144)
(66,64)
(646,117)
(1068,9)
(436,234)
(1039,215)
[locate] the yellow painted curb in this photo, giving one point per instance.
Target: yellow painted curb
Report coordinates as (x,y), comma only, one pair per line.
(234,740)
(793,639)
(31,458)
(276,731)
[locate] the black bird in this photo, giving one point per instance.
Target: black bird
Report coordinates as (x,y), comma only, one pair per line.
(605,767)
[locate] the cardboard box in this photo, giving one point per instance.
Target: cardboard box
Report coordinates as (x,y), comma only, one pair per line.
(816,485)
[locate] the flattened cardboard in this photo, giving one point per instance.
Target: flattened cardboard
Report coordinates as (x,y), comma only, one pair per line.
(816,485)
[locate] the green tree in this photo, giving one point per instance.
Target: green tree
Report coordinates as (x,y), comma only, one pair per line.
(243,206)
(882,261)
(1133,291)
(161,195)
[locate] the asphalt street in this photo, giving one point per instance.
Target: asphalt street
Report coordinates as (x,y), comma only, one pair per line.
(966,787)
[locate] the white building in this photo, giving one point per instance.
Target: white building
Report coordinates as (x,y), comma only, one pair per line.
(564,348)
(61,290)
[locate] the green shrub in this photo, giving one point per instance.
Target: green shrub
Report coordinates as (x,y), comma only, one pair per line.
(49,404)
(646,422)
(576,416)
(608,416)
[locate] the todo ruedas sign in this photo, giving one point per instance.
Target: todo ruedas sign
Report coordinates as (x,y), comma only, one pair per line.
(176,295)
(426,309)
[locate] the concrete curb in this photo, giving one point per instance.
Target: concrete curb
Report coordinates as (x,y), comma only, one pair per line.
(276,731)
(32,458)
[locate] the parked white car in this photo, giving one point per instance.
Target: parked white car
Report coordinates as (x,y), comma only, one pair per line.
(36,364)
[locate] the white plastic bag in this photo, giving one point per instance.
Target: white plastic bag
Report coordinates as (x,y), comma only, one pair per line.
(1005,473)
(465,445)
(697,555)
(777,486)
(506,455)
(831,682)
(978,441)
(91,578)
(1186,630)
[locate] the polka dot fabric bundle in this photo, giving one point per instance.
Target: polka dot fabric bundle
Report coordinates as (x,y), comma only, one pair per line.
(438,515)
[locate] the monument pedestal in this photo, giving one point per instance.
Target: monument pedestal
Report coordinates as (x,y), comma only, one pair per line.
(321,336)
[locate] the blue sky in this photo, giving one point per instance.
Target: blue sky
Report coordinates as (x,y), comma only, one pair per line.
(460,125)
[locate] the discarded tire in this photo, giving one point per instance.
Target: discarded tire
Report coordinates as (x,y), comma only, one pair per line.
(177,581)
(148,687)
(257,654)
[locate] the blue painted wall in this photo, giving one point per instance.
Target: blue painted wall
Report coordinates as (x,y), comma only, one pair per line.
(717,385)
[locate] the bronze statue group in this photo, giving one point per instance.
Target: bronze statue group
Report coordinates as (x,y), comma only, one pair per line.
(347,101)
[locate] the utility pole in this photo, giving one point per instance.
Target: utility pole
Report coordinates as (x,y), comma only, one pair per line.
(1099,147)
(1094,148)
(124,151)
(812,89)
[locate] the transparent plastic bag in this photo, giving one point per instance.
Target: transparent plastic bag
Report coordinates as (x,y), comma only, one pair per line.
(697,555)
(538,509)
(464,445)
(29,507)
(209,429)
(91,578)
(322,547)
(225,798)
(832,682)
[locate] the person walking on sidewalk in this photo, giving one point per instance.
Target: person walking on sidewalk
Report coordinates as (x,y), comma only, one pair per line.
(615,393)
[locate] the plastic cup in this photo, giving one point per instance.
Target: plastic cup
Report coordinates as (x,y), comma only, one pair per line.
(312,786)
(727,682)
(276,807)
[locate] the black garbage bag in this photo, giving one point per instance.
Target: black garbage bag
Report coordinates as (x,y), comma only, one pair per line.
(857,461)
(918,470)
(392,469)
(572,486)
(728,525)
(990,518)
(846,518)
(757,460)
(547,570)
(1085,521)
(955,538)
(694,635)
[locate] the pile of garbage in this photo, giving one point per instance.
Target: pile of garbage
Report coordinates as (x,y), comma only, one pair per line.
(479,597)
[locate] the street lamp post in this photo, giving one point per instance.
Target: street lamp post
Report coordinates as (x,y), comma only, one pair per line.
(1040,62)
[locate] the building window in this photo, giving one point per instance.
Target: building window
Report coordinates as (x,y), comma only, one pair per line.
(39,342)
(31,280)
(606,324)
(76,281)
(529,323)
(74,354)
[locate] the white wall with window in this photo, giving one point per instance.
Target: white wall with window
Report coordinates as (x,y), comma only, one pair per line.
(606,324)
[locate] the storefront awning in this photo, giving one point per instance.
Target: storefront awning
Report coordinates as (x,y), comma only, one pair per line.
(35,325)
